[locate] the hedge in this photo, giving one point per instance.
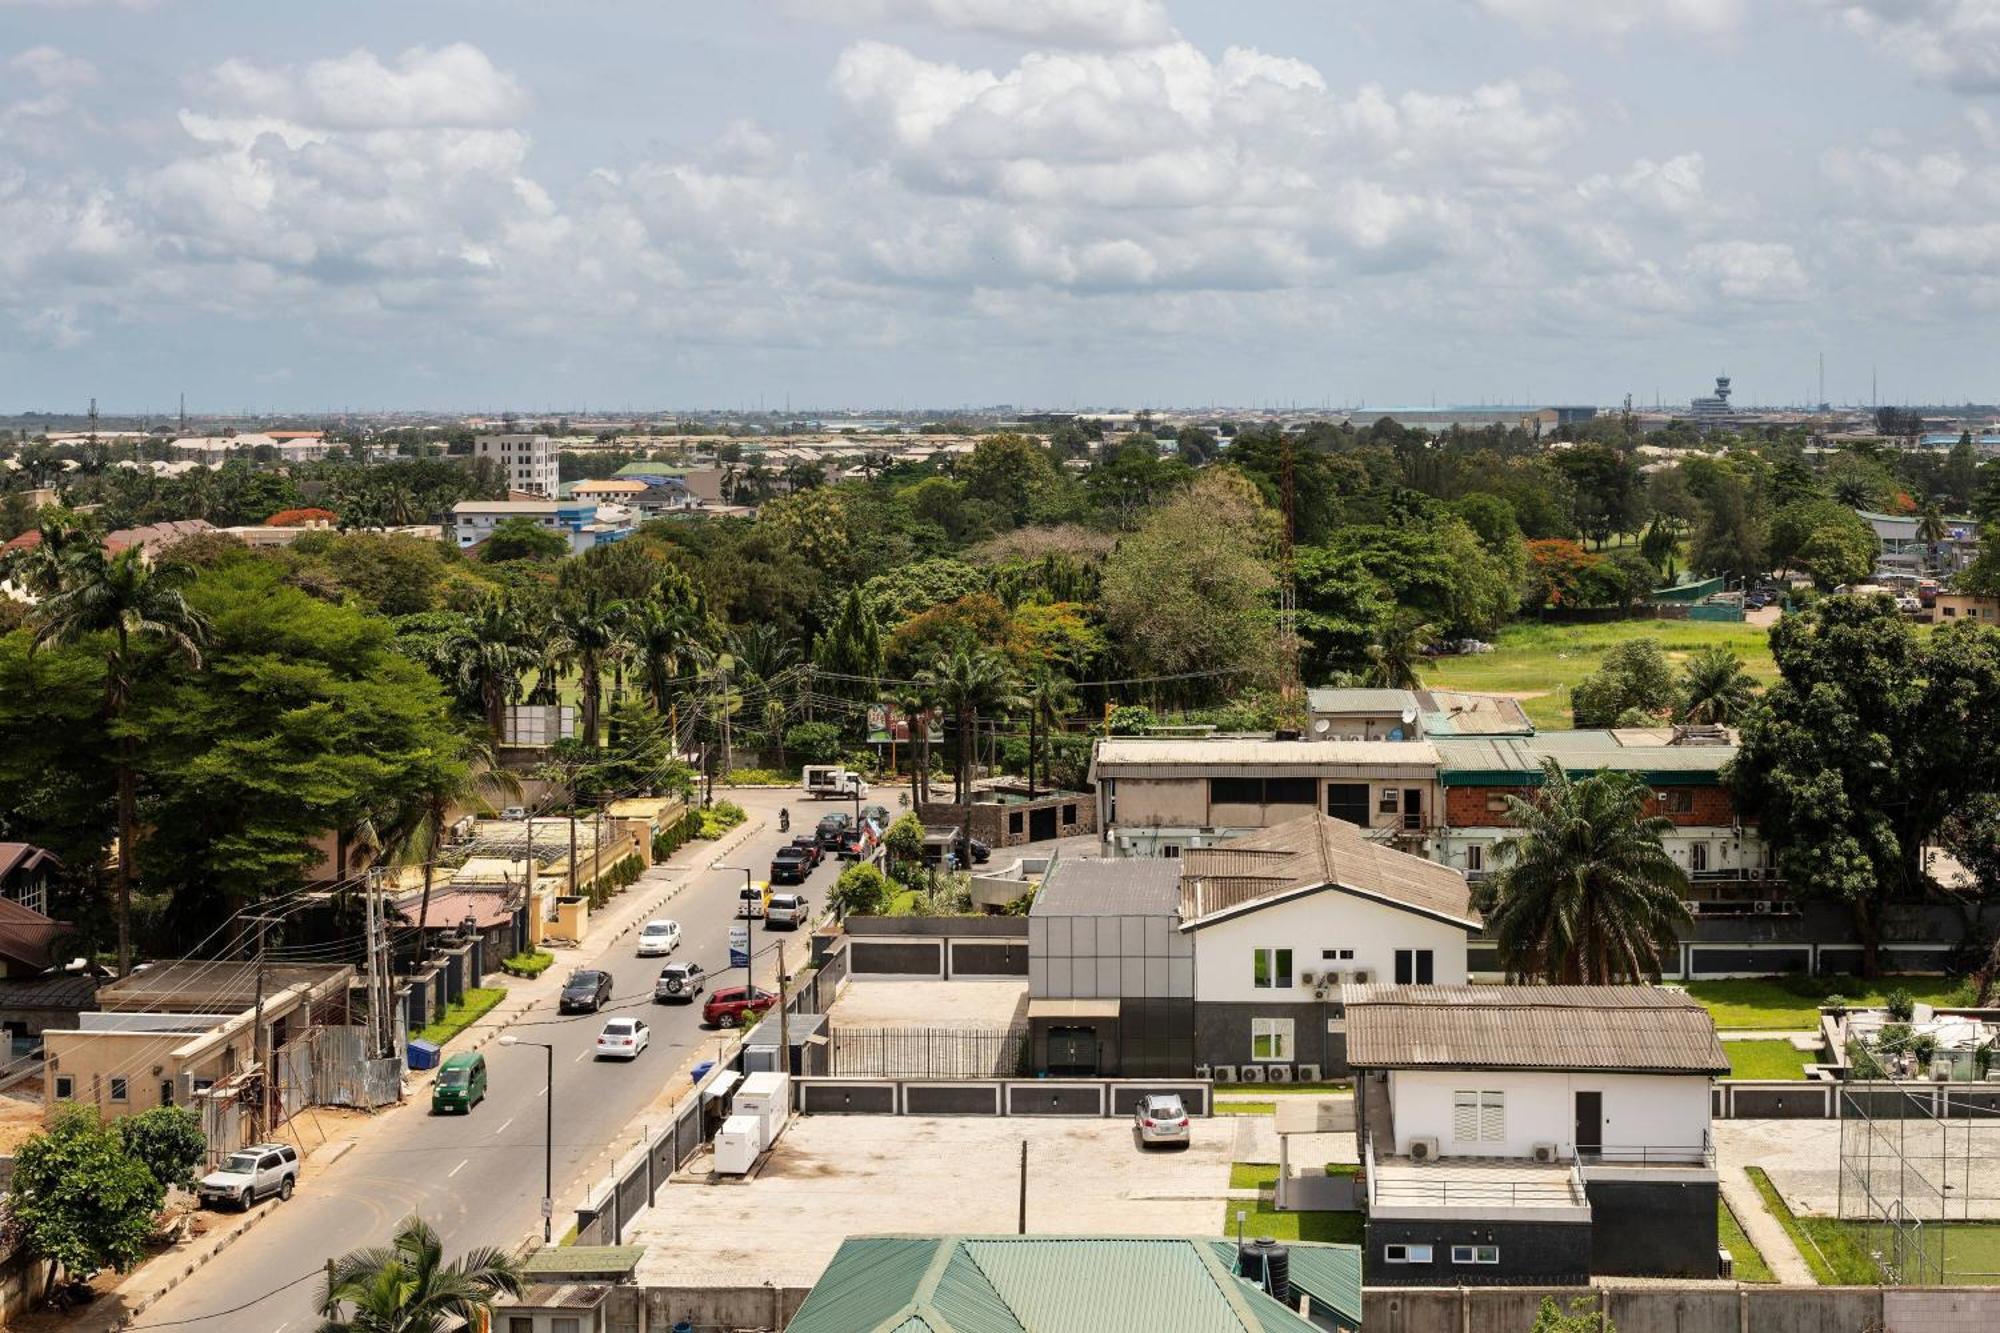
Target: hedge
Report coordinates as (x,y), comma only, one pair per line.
(528,964)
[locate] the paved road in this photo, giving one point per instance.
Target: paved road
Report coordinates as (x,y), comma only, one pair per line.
(478,1179)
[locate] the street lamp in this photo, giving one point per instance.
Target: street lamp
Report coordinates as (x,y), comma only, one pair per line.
(749,984)
(549,1138)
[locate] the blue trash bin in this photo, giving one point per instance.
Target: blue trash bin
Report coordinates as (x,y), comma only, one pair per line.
(422,1054)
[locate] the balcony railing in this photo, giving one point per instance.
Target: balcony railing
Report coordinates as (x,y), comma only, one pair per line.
(1469,1191)
(1611,1154)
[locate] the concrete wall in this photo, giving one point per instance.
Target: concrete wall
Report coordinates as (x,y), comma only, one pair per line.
(1708,1309)
(1093,1097)
(1529,1252)
(1310,927)
(1222,1033)
(1649,1229)
(1640,1110)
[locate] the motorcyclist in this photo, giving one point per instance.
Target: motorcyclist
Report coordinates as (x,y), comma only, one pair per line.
(784,820)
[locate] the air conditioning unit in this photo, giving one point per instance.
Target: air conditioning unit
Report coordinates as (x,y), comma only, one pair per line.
(1201,1071)
(1324,991)
(1753,872)
(1545,1152)
(1280,1073)
(1225,1073)
(1363,975)
(1308,1073)
(1253,1074)
(1423,1150)
(1309,978)
(1762,907)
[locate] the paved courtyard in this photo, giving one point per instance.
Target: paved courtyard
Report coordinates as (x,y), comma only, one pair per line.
(835,1176)
(1916,1160)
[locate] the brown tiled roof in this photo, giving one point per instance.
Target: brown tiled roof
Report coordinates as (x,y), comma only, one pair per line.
(26,936)
(1629,1029)
(23,856)
(1306,853)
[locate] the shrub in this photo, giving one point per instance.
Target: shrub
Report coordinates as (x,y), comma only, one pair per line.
(861,890)
(167,1140)
(528,964)
(1902,1006)
(758,777)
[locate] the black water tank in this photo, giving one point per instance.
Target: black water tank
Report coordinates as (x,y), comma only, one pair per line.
(1267,1264)
(1289,734)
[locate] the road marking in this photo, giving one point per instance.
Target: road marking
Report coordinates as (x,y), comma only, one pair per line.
(455,1170)
(503,1127)
(542,1091)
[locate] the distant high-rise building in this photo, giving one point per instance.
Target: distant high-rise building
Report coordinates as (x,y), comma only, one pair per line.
(526,462)
(1711,409)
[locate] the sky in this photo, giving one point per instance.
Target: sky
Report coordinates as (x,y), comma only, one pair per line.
(637,204)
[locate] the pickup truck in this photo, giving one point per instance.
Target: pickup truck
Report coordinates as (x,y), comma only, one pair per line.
(790,865)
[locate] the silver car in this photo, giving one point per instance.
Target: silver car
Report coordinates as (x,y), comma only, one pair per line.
(1160,1118)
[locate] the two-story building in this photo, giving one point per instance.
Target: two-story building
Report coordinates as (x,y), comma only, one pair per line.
(576,521)
(1534,1134)
(1349,714)
(1161,797)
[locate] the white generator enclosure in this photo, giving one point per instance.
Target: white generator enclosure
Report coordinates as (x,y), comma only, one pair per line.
(737,1145)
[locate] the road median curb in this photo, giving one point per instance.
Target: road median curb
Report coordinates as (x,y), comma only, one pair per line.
(192,1266)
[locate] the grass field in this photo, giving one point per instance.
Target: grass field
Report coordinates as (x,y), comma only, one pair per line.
(1261,1219)
(462,1013)
(1758,1004)
(1547,660)
(1223,1107)
(1750,1265)
(1972,1254)
(1764,1059)
(1830,1248)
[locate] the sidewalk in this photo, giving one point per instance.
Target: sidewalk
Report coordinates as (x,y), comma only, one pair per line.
(1765,1232)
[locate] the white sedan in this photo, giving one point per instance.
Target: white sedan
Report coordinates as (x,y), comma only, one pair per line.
(657,939)
(623,1038)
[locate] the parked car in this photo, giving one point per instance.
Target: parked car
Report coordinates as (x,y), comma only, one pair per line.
(790,865)
(808,844)
(788,910)
(852,844)
(727,1007)
(751,899)
(258,1171)
(981,853)
(829,829)
(514,812)
(585,992)
(878,815)
(657,939)
(678,983)
(460,1085)
(623,1038)
(1160,1118)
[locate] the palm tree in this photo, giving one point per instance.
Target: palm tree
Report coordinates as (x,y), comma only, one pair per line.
(586,628)
(967,682)
(488,656)
(62,539)
(128,599)
(662,635)
(1050,697)
(406,1287)
(1930,525)
(913,703)
(1398,647)
(1714,688)
(414,832)
(1586,893)
(763,649)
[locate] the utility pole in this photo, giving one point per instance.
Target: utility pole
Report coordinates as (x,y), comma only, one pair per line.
(1289,710)
(1021,1227)
(260,1045)
(374,988)
(784,1028)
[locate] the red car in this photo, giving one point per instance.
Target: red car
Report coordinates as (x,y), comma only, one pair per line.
(727,1006)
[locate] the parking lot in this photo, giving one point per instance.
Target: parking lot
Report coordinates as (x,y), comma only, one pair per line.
(831,1177)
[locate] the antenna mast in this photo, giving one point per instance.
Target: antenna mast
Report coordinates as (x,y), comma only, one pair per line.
(1289,712)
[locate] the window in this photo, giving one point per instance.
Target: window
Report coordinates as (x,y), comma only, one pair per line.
(1496,802)
(1677,800)
(1271,969)
(1479,1117)
(1950,612)
(1348,801)
(1069,814)
(1697,856)
(1014,822)
(1171,851)
(65,1087)
(166,1092)
(1271,1039)
(120,1090)
(1236,791)
(1475,856)
(563,1323)
(520,1324)
(1386,803)
(1475,1254)
(1414,967)
(1291,791)
(1406,1254)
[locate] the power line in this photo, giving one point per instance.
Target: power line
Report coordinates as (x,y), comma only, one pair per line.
(234,1309)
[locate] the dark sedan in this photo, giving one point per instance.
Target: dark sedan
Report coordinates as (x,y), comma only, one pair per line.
(585,992)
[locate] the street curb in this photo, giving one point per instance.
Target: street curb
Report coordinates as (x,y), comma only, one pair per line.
(332,1153)
(194,1265)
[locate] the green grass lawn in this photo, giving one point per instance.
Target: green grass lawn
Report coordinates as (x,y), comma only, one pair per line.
(1261,1219)
(1246,1108)
(1764,1059)
(1766,1004)
(1972,1254)
(1263,1090)
(1831,1249)
(462,1013)
(1750,1265)
(1547,660)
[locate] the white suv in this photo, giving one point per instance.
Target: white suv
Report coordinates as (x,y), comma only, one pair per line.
(788,910)
(250,1174)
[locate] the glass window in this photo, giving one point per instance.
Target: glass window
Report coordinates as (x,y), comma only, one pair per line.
(1271,969)
(1698,856)
(1677,800)
(1271,1039)
(1478,1116)
(1236,791)
(1475,856)
(1406,1254)
(1290,791)
(1415,967)
(120,1090)
(65,1087)
(520,1324)
(1348,801)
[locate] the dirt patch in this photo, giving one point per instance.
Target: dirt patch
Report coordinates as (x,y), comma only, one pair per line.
(21,1111)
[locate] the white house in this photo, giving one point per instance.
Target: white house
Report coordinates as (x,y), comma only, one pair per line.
(526,462)
(1282,918)
(1534,1133)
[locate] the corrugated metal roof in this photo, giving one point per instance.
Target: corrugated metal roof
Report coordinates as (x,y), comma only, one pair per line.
(1632,1029)
(1340,699)
(1118,755)
(1134,886)
(1314,850)
(870,1284)
(1330,1274)
(607,1259)
(1490,760)
(1458,713)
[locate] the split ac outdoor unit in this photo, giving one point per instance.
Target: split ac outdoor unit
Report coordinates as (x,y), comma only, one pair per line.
(1362,976)
(1308,1073)
(1423,1150)
(1201,1071)
(1225,1073)
(1253,1073)
(1545,1152)
(1762,907)
(1323,991)
(1309,978)
(1280,1073)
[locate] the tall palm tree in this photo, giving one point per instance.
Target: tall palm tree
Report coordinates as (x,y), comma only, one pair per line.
(662,635)
(413,833)
(1586,893)
(913,703)
(763,649)
(1930,525)
(406,1287)
(1714,688)
(1398,647)
(587,626)
(1051,696)
(488,656)
(127,600)
(967,682)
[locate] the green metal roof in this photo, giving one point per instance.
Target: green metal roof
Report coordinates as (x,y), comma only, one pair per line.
(613,1260)
(1516,761)
(1061,1284)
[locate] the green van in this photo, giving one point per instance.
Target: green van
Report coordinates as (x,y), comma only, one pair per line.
(461,1084)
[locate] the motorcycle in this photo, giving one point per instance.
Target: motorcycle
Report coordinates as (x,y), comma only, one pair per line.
(784,821)
(903,799)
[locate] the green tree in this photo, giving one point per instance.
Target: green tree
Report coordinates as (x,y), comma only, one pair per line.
(1960,478)
(862,890)
(1714,688)
(1342,608)
(1050,697)
(1727,541)
(1839,554)
(1586,893)
(167,1141)
(965,685)
(1581,1316)
(122,602)
(1634,678)
(407,1287)
(663,632)
(79,1199)
(814,742)
(1438,567)
(1610,494)
(522,539)
(904,841)
(851,650)
(485,657)
(1398,648)
(1982,576)
(1867,743)
(897,594)
(1010,472)
(585,630)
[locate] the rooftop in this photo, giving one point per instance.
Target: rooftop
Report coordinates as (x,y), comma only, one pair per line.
(1309,853)
(1517,760)
(206,986)
(1399,1183)
(1139,753)
(584,1260)
(1134,887)
(1624,1029)
(1346,700)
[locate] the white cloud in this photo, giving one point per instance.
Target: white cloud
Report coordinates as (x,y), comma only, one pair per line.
(53,69)
(1953,42)
(1065,22)
(1749,271)
(1617,17)
(453,85)
(1670,189)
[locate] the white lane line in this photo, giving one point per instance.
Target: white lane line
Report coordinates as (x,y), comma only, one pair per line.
(503,1128)
(542,1091)
(455,1170)
(580,1054)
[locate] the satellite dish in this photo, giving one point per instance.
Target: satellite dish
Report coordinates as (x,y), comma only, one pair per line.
(1410,714)
(1321,727)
